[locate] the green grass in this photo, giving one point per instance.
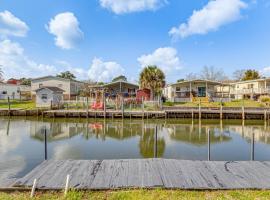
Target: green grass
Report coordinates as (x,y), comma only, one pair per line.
(17,104)
(157,194)
(234,103)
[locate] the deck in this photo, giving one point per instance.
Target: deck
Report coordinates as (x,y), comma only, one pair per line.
(149,173)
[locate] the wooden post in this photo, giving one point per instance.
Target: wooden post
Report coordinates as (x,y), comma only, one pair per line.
(8,106)
(45,144)
(87,107)
(104,108)
(33,188)
(243,112)
(51,105)
(265,115)
(252,147)
(67,184)
(209,144)
(142,107)
(122,106)
(155,144)
(200,112)
(221,110)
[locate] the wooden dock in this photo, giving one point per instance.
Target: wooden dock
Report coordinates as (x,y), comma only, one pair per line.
(149,173)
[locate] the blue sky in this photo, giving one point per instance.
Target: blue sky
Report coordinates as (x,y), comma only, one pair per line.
(100,39)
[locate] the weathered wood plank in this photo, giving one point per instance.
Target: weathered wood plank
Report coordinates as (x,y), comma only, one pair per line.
(150,173)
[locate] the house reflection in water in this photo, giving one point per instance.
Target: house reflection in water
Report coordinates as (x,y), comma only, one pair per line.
(142,133)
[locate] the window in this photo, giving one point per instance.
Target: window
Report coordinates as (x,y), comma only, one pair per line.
(4,92)
(44,96)
(178,89)
(40,85)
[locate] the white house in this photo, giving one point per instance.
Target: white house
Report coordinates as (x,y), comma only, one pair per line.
(14,91)
(71,88)
(47,96)
(193,90)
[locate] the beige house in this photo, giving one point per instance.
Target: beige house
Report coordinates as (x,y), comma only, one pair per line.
(193,90)
(71,88)
(252,89)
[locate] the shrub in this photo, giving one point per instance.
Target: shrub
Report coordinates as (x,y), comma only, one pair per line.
(264,99)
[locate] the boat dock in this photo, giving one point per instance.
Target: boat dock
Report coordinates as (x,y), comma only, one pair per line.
(166,112)
(148,173)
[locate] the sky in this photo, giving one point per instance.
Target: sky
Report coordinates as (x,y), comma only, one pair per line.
(100,39)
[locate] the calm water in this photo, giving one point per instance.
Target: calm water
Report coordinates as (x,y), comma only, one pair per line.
(22,140)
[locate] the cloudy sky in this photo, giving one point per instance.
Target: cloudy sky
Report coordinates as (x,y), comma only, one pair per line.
(100,39)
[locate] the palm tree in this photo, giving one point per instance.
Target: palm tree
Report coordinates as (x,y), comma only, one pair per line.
(153,79)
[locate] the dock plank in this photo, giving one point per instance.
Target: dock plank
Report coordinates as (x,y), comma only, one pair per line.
(149,173)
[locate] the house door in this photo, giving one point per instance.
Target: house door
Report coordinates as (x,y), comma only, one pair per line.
(201,91)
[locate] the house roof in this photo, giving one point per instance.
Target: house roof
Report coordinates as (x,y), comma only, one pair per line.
(198,81)
(53,89)
(122,82)
(249,81)
(55,78)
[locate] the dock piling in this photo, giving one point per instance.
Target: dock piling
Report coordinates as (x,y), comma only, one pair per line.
(252,147)
(67,184)
(209,145)
(33,188)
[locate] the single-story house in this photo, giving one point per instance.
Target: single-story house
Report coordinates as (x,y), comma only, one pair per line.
(252,89)
(192,90)
(48,96)
(14,91)
(71,88)
(114,89)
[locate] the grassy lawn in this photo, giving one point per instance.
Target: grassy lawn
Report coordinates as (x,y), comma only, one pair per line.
(234,103)
(17,104)
(157,194)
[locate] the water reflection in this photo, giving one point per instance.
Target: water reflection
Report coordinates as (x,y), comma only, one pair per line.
(22,140)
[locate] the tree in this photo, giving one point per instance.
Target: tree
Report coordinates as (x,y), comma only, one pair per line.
(66,75)
(180,80)
(239,74)
(119,78)
(191,76)
(251,75)
(213,74)
(153,79)
(25,81)
(1,74)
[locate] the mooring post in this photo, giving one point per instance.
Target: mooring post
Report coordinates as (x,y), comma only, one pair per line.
(67,184)
(200,112)
(221,110)
(33,188)
(252,147)
(8,106)
(155,144)
(104,108)
(243,111)
(209,144)
(87,107)
(142,108)
(265,115)
(45,144)
(122,108)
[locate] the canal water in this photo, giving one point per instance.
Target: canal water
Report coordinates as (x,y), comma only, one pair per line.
(23,146)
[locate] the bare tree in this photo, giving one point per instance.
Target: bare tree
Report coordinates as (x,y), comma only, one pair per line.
(239,74)
(212,73)
(191,76)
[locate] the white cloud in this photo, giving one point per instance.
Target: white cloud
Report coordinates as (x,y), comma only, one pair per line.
(128,6)
(11,25)
(265,71)
(104,71)
(16,64)
(214,15)
(65,27)
(165,58)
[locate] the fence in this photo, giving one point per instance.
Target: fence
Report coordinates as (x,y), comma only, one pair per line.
(111,104)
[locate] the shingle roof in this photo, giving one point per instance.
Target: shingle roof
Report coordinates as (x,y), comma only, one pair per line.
(54,89)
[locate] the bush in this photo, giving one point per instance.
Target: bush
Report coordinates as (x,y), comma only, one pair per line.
(264,99)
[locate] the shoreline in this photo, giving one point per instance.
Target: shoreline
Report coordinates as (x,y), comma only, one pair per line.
(165,113)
